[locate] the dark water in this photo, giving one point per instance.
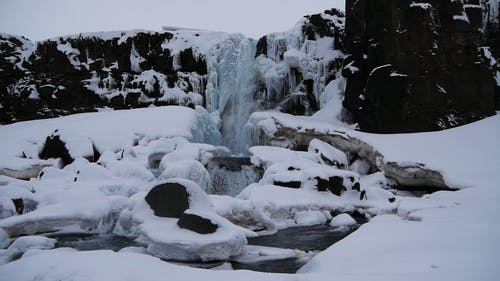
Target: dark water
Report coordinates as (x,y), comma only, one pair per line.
(94,242)
(307,238)
(311,238)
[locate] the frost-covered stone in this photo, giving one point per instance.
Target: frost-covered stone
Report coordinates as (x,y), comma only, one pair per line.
(360,166)
(242,213)
(197,223)
(311,176)
(265,156)
(78,209)
(4,239)
(7,207)
(343,220)
(329,154)
(188,169)
(67,145)
(172,198)
(22,244)
(25,244)
(166,239)
(288,207)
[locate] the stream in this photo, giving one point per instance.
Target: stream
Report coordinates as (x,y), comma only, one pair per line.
(310,238)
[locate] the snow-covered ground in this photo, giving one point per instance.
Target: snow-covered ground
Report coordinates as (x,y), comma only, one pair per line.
(443,236)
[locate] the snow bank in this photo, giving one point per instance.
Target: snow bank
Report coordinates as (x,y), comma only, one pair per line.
(108,265)
(343,220)
(429,151)
(23,244)
(108,130)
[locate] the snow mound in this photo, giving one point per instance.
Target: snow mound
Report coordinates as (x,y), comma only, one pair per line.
(343,220)
(166,239)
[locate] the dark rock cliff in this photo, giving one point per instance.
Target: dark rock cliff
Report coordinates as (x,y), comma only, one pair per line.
(83,72)
(491,25)
(416,66)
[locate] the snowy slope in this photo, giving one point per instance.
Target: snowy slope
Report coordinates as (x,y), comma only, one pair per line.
(465,156)
(442,236)
(107,130)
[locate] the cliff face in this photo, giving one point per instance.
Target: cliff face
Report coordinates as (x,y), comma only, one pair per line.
(417,66)
(295,66)
(410,66)
(226,73)
(491,25)
(83,72)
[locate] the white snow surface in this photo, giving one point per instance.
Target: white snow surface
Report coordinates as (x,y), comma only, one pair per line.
(443,236)
(343,220)
(108,130)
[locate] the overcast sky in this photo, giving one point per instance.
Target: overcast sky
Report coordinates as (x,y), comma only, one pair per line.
(41,19)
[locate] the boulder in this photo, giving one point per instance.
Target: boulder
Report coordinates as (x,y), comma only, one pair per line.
(290,184)
(196,223)
(80,73)
(54,147)
(173,197)
(168,200)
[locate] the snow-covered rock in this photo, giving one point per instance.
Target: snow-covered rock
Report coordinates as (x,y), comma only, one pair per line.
(77,209)
(311,176)
(287,206)
(7,207)
(187,169)
(343,220)
(265,156)
(242,213)
(174,236)
(23,244)
(329,154)
(108,131)
(4,239)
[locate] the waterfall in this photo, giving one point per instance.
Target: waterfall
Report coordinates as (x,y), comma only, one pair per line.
(231,88)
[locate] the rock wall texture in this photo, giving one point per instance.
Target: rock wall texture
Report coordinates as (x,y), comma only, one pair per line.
(491,25)
(417,66)
(295,66)
(121,70)
(84,72)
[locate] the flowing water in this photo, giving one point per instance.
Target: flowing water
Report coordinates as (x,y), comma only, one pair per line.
(310,238)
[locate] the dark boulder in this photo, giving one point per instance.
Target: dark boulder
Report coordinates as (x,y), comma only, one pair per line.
(168,200)
(261,47)
(191,63)
(289,184)
(81,73)
(18,202)
(415,66)
(54,147)
(334,184)
(196,223)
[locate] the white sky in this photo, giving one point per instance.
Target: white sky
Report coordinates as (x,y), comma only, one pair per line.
(41,19)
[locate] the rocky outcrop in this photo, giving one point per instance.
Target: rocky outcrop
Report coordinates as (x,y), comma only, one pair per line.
(295,66)
(83,72)
(410,176)
(491,25)
(168,200)
(416,66)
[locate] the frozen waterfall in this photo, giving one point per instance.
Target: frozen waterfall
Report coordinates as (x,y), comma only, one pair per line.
(231,87)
